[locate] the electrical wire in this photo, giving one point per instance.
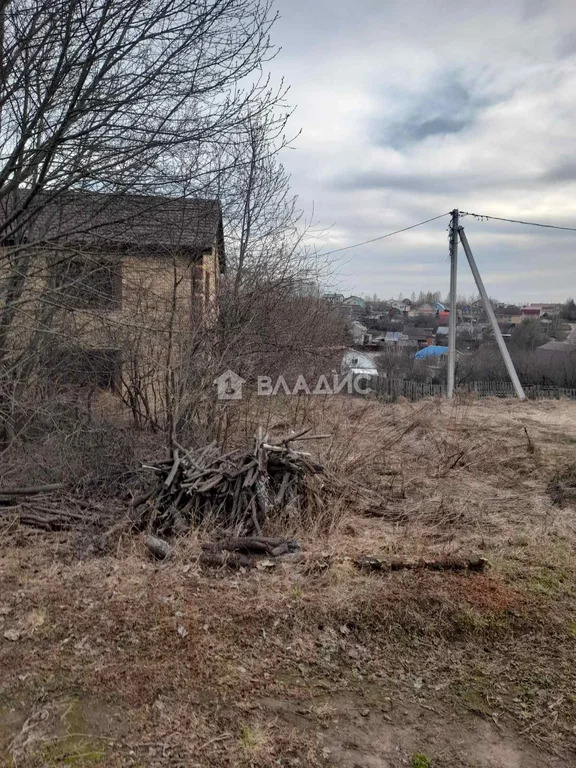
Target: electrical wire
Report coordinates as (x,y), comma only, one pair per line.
(516,221)
(382,237)
(435,218)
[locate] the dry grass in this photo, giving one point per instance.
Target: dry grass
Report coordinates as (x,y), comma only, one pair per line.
(310,664)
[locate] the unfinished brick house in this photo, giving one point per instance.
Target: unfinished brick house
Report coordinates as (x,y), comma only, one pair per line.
(116,287)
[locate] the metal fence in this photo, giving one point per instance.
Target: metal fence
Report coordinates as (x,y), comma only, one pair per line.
(392,389)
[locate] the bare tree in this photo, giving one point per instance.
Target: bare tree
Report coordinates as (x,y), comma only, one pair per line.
(130,96)
(260,208)
(270,304)
(149,97)
(107,94)
(133,95)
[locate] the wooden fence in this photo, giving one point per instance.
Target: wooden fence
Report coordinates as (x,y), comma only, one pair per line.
(392,389)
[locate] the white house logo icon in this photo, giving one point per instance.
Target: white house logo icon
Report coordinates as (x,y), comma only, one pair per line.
(229,385)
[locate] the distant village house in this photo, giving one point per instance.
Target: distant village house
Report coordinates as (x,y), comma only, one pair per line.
(509,315)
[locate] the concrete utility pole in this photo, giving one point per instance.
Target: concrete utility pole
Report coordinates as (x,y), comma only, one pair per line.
(492,317)
(452,317)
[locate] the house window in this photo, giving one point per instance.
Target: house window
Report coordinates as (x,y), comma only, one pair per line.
(99,368)
(88,282)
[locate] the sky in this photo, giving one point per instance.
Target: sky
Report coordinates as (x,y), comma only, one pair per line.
(410,108)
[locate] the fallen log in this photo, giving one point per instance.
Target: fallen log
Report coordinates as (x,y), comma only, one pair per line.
(272,547)
(475,564)
(159,548)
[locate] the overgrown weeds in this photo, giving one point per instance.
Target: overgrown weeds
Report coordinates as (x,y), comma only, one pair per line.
(562,487)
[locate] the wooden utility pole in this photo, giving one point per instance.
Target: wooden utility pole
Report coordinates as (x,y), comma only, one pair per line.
(492,317)
(453,291)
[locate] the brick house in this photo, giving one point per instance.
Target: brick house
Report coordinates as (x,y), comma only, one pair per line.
(112,280)
(509,315)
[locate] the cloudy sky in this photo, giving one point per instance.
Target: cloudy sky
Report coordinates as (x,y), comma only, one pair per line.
(410,108)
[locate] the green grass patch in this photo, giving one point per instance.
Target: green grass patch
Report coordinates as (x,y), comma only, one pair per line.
(74,748)
(421,761)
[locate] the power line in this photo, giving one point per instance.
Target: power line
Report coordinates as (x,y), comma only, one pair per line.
(382,237)
(516,221)
(435,218)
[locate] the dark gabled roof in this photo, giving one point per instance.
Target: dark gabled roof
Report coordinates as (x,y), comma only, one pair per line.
(509,310)
(418,334)
(114,221)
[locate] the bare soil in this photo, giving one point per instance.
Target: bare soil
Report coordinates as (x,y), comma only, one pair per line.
(121,661)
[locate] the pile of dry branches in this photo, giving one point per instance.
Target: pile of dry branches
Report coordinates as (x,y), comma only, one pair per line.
(239,491)
(40,507)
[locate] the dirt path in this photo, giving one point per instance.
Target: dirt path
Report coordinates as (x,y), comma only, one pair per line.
(356,733)
(345,731)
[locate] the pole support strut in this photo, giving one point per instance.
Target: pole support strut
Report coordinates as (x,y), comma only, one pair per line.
(492,317)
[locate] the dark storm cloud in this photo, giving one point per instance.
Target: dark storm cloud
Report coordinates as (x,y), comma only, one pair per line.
(418,131)
(445,107)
